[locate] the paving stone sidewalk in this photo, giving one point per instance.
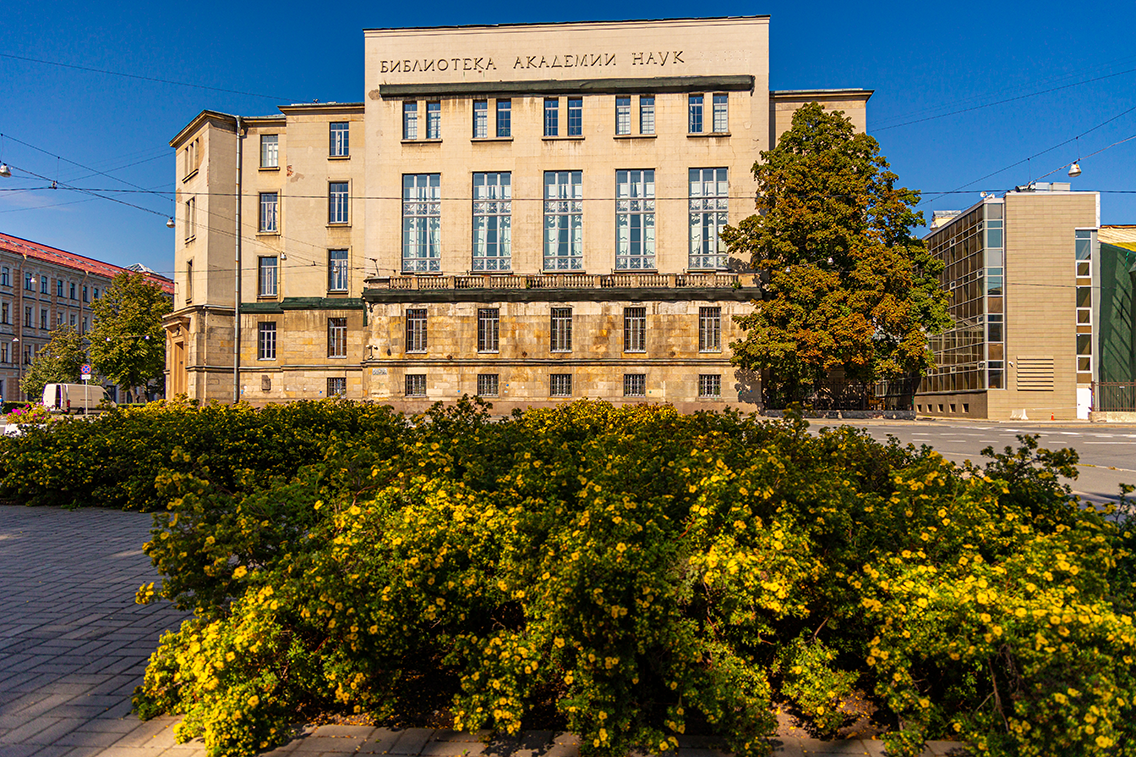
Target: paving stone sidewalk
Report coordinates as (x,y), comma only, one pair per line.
(73,645)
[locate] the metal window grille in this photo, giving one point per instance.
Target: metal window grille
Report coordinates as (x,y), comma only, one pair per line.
(337,202)
(694,119)
(488,329)
(634,385)
(721,114)
(338,142)
(336,386)
(492,221)
(421,223)
(416,385)
(575,116)
(551,116)
(410,120)
(416,330)
(268,211)
(337,270)
(563,221)
(337,337)
(709,213)
(269,150)
(560,385)
(635,220)
(487,384)
(433,120)
(623,115)
(709,386)
(266,340)
(480,119)
(561,331)
(635,329)
(709,329)
(504,118)
(266,276)
(646,114)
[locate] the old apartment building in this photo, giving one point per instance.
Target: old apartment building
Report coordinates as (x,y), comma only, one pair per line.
(1024,275)
(528,213)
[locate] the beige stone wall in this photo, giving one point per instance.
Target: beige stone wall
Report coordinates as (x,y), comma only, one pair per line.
(782,105)
(302,366)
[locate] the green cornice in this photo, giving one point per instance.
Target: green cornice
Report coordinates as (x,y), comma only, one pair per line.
(303,303)
(657,84)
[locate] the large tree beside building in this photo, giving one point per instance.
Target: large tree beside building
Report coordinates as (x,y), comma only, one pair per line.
(846,284)
(59,362)
(127,342)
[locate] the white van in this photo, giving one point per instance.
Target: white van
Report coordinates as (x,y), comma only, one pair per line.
(75,398)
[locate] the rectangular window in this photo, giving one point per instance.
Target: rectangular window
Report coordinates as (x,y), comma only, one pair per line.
(561,331)
(72,320)
(266,340)
(635,220)
(85,298)
(492,221)
(487,384)
(43,287)
(504,118)
(560,385)
(623,115)
(29,283)
(721,114)
(337,337)
(410,120)
(694,119)
(28,322)
(337,386)
(416,330)
(709,386)
(488,329)
(4,352)
(709,213)
(190,218)
(337,202)
(59,287)
(268,212)
(421,223)
(266,277)
(72,290)
(709,329)
(634,385)
(338,142)
(433,120)
(635,329)
(97,289)
(551,116)
(480,119)
(188,282)
(269,150)
(416,385)
(646,114)
(6,277)
(563,221)
(575,116)
(44,321)
(337,279)
(4,313)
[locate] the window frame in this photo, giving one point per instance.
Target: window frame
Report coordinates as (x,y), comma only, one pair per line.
(481,119)
(708,210)
(269,213)
(422,223)
(622,115)
(488,330)
(564,219)
(419,381)
(646,111)
(338,388)
(503,125)
(635,329)
(339,139)
(635,217)
(575,113)
(270,151)
(560,385)
(266,340)
(629,388)
(492,222)
(710,329)
(267,285)
(409,120)
(551,116)
(338,272)
(560,330)
(433,120)
(483,380)
(694,114)
(417,334)
(709,386)
(337,337)
(338,203)
(720,113)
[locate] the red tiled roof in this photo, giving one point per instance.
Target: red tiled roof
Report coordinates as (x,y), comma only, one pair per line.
(47,254)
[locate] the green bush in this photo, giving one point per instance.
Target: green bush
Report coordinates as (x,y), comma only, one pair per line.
(637,573)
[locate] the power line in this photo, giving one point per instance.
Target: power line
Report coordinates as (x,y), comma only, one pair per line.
(145,78)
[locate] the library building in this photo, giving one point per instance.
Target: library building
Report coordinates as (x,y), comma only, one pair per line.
(527,213)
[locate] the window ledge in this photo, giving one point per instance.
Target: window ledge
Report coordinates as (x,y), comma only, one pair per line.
(491,139)
(267,297)
(339,157)
(190,239)
(190,175)
(268,233)
(704,135)
(636,136)
(266,360)
(269,168)
(422,141)
(563,139)
(339,226)
(337,293)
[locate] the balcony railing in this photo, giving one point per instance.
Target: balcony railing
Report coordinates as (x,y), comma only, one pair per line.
(568,281)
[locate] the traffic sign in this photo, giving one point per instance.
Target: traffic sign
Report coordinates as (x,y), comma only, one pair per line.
(85,371)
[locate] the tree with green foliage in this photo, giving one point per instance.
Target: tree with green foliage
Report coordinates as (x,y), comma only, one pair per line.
(128,344)
(58,362)
(846,285)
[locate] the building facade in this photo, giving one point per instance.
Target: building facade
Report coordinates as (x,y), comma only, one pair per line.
(528,213)
(1023,272)
(41,289)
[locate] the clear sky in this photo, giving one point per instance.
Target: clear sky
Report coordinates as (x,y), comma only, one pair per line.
(964,93)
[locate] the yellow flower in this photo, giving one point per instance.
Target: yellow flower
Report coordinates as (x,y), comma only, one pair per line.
(253,701)
(240,572)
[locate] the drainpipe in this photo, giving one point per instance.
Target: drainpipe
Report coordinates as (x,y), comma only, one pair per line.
(237,280)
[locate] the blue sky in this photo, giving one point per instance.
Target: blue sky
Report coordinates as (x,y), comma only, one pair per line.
(924,61)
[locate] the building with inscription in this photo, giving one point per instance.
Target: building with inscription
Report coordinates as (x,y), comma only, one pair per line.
(529,213)
(1024,273)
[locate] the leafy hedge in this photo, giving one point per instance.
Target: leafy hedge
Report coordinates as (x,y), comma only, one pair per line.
(637,574)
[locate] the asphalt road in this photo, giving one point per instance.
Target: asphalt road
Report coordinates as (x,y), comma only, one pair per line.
(1107,452)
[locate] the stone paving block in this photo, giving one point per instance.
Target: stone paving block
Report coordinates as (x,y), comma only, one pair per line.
(55,731)
(454,749)
(380,742)
(25,734)
(411,741)
(18,750)
(843,747)
(569,738)
(145,733)
(85,736)
(445,734)
(348,731)
(112,725)
(875,747)
(335,744)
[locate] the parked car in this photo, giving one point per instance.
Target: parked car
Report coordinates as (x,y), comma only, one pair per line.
(76,398)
